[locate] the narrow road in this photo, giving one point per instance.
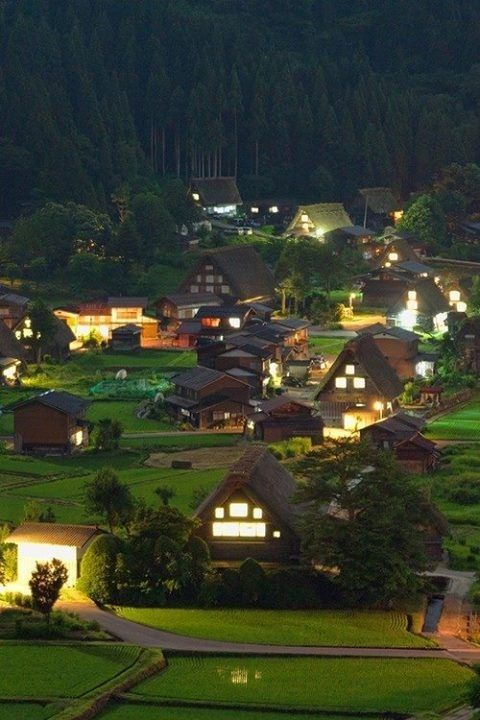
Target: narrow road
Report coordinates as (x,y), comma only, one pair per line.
(136,634)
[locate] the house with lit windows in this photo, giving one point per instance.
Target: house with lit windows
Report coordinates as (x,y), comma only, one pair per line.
(319,219)
(421,304)
(400,348)
(379,206)
(216,195)
(235,272)
(52,422)
(103,316)
(175,308)
(360,388)
(251,513)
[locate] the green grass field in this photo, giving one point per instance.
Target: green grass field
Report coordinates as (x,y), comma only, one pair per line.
(25,711)
(59,482)
(326,345)
(60,671)
(129,711)
(284,627)
(340,684)
(461,424)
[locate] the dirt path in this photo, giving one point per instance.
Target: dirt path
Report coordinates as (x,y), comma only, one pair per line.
(201,459)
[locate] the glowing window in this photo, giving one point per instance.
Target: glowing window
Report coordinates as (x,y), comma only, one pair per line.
(239,529)
(234,322)
(304,218)
(196,196)
(412,294)
(393,256)
(341,383)
(359,383)
(276,533)
(238,509)
(350,369)
(273,209)
(254,210)
(257,513)
(412,305)
(454,295)
(219,513)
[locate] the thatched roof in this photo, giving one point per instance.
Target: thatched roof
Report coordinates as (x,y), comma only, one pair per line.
(430,299)
(217,191)
(379,330)
(53,534)
(242,268)
(364,351)
(257,472)
(323,216)
(380,200)
(404,251)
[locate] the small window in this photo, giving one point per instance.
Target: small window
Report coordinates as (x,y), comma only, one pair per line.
(412,294)
(257,513)
(359,383)
(350,369)
(341,383)
(304,218)
(454,295)
(393,256)
(276,533)
(196,196)
(219,513)
(238,510)
(193,288)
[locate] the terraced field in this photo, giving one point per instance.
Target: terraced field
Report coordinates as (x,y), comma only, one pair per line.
(461,424)
(330,684)
(25,711)
(128,711)
(293,627)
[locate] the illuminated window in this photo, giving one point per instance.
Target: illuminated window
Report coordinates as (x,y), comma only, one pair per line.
(341,383)
(461,307)
(350,369)
(393,256)
(209,279)
(254,210)
(219,513)
(276,533)
(234,322)
(412,294)
(239,529)
(454,295)
(304,218)
(238,509)
(359,383)
(225,289)
(196,197)
(273,209)
(412,305)
(257,513)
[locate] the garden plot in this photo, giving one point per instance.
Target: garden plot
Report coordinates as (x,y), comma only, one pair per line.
(201,459)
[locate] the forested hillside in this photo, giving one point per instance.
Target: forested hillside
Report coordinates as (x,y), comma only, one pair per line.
(310,97)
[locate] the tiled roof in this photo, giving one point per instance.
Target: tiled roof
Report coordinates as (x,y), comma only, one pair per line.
(53,534)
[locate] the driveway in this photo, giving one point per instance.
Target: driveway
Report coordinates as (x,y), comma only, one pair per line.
(136,634)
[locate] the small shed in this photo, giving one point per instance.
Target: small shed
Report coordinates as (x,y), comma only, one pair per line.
(431,395)
(39,542)
(126,338)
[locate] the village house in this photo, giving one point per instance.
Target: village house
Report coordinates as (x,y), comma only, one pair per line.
(13,308)
(466,337)
(40,542)
(422,304)
(281,418)
(380,207)
(418,246)
(52,422)
(207,398)
(360,388)
(401,433)
(400,348)
(58,346)
(257,357)
(12,355)
(216,196)
(174,308)
(398,253)
(126,338)
(103,316)
(251,514)
(235,272)
(319,219)
(356,237)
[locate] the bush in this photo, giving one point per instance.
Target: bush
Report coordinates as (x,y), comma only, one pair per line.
(252,582)
(97,569)
(293,447)
(465,490)
(17,599)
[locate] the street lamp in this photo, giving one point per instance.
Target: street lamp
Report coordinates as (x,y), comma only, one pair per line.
(379,408)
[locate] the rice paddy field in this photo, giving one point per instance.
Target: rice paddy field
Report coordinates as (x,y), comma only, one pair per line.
(340,628)
(129,711)
(59,482)
(26,711)
(60,671)
(329,684)
(461,424)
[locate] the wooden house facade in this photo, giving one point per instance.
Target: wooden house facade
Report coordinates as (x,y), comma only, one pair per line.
(251,513)
(282,418)
(400,348)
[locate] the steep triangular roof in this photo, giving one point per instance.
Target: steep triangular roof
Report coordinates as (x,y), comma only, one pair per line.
(324,216)
(217,191)
(364,351)
(380,200)
(430,298)
(403,249)
(260,472)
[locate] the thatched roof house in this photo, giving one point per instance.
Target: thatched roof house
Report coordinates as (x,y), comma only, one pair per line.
(318,219)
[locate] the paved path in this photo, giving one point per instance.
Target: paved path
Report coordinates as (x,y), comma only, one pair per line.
(134,633)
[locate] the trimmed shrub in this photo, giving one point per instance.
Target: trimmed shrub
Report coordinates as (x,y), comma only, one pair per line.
(97,569)
(252,582)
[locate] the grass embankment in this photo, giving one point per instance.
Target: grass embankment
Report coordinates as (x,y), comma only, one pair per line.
(331,684)
(340,628)
(460,424)
(59,482)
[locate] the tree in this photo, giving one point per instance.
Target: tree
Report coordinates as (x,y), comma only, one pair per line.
(45,585)
(165,493)
(35,511)
(39,328)
(370,533)
(108,497)
(107,434)
(426,220)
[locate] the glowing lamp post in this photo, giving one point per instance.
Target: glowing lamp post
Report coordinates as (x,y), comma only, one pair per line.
(378,406)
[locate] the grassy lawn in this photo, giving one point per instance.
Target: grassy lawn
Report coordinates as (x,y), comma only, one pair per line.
(341,684)
(60,671)
(284,627)
(461,424)
(126,711)
(125,412)
(59,482)
(326,345)
(180,442)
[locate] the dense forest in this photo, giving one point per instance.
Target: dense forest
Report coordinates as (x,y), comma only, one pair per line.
(307,97)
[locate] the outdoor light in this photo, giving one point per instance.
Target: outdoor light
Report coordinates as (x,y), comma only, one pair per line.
(196,196)
(273,209)
(254,210)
